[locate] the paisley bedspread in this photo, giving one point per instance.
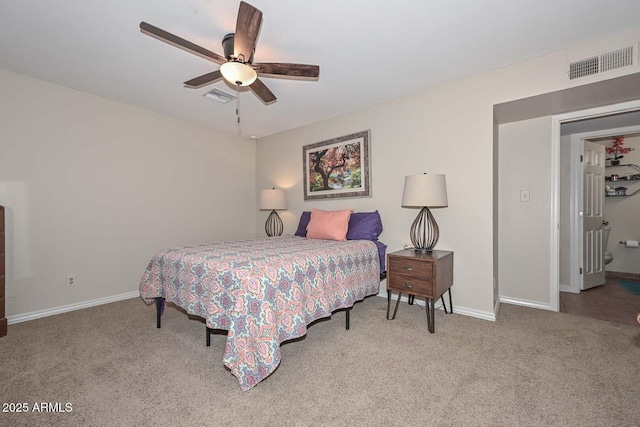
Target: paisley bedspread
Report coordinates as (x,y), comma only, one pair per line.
(263,291)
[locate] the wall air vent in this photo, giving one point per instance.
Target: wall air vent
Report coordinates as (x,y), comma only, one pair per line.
(583,68)
(220,96)
(607,61)
(616,59)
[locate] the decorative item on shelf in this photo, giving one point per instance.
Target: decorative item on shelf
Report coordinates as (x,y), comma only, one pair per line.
(425,191)
(617,149)
(273,200)
(621,191)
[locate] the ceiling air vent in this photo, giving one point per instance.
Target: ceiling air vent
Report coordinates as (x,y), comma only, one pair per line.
(607,61)
(220,96)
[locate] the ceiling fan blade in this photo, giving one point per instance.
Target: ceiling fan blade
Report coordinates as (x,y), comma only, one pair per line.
(247,29)
(262,91)
(284,69)
(203,80)
(174,40)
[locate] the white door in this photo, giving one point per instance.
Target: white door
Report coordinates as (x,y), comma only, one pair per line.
(592,217)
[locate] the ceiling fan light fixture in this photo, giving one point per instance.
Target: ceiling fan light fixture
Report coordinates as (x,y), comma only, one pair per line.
(237,73)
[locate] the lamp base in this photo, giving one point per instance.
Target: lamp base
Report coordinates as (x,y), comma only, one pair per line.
(423,250)
(274,225)
(424,231)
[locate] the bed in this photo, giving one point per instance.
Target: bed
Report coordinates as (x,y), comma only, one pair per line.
(263,291)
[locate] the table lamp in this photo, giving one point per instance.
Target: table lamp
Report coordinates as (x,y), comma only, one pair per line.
(424,191)
(273,200)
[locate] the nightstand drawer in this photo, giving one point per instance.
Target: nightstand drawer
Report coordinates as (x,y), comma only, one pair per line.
(413,267)
(410,284)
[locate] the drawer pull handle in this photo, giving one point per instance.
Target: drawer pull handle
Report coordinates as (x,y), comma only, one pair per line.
(409,268)
(408,285)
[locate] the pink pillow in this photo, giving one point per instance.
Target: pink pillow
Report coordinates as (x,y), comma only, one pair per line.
(329,225)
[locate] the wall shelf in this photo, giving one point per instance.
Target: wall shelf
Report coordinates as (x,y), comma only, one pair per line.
(635,179)
(624,195)
(623,180)
(628,165)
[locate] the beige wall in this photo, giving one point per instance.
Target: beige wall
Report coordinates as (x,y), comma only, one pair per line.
(524,239)
(93,188)
(450,130)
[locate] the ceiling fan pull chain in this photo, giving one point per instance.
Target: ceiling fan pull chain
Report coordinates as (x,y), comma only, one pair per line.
(238,103)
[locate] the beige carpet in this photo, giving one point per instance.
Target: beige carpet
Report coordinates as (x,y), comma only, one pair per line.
(530,368)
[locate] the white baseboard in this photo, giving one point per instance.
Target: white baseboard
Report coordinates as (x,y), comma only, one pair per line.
(457,309)
(526,303)
(18,318)
(568,288)
(100,301)
(484,315)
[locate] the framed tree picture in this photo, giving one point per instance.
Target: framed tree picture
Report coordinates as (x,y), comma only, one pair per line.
(337,168)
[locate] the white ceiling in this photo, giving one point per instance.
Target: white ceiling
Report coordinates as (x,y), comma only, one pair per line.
(368,51)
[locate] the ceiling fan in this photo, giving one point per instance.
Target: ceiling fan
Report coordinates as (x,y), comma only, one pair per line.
(237,66)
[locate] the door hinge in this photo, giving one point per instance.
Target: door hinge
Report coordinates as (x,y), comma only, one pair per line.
(581,158)
(580,270)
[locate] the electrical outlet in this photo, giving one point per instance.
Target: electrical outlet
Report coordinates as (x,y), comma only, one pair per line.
(71,281)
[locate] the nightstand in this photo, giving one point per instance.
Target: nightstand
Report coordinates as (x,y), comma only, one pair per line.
(428,275)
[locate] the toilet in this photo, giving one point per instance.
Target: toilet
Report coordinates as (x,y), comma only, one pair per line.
(608,256)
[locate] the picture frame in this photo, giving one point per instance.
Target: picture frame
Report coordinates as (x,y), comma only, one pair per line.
(338,167)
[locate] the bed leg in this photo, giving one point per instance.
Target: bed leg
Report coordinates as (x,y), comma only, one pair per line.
(348,312)
(208,336)
(159,309)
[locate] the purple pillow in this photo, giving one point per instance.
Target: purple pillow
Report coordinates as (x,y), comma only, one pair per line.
(364,226)
(382,254)
(302,225)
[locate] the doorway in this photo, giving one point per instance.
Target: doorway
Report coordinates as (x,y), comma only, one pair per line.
(573,268)
(573,128)
(526,235)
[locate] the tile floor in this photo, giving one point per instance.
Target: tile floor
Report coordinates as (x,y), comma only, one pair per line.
(607,302)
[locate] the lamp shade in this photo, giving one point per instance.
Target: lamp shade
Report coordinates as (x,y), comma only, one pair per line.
(238,73)
(273,199)
(425,190)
